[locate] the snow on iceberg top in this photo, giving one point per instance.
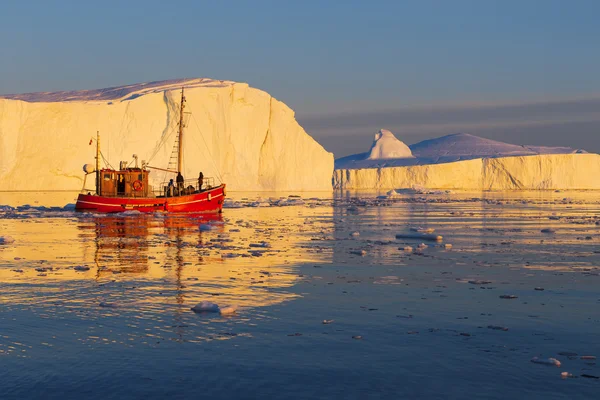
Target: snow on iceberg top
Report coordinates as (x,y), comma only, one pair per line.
(456,147)
(386,145)
(118,93)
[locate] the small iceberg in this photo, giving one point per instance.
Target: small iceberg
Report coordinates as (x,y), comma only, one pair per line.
(209,307)
(546,361)
(207,227)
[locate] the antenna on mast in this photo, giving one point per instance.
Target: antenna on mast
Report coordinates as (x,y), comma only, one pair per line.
(180,149)
(97,162)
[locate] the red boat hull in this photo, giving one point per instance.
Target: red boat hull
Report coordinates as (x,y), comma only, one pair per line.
(207,201)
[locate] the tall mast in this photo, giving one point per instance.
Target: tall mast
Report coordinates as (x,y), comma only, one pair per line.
(180,150)
(98,162)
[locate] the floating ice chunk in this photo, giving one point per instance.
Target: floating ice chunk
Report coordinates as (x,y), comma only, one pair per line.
(479,282)
(206,306)
(447,246)
(131,212)
(327,321)
(6,240)
(261,244)
(546,361)
(260,203)
(422,246)
(566,374)
(418,235)
(229,203)
(228,310)
(355,234)
(408,249)
(207,227)
(291,201)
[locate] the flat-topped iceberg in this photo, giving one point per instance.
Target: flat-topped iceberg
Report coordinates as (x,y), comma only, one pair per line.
(463,161)
(241,134)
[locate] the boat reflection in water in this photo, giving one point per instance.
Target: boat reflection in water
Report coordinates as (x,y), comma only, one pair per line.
(174,261)
(131,244)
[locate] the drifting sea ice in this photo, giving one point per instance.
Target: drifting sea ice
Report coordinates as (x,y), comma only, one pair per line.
(546,361)
(230,203)
(206,306)
(260,203)
(209,307)
(207,227)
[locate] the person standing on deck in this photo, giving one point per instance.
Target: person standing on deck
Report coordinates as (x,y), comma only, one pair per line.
(200,181)
(179,183)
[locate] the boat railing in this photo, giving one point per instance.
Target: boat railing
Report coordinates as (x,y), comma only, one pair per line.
(189,186)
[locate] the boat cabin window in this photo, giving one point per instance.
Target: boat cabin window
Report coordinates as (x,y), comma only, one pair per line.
(129,183)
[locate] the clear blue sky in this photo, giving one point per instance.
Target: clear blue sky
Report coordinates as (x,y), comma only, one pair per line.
(323,58)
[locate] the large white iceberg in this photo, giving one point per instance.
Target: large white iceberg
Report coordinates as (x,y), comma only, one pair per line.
(241,134)
(464,161)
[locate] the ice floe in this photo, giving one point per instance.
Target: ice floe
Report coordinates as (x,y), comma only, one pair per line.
(209,307)
(546,361)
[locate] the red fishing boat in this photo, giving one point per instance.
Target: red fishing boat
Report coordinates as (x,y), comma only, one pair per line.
(128,187)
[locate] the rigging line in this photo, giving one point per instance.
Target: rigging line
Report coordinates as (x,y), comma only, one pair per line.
(207,149)
(160,145)
(106,161)
(211,158)
(162,142)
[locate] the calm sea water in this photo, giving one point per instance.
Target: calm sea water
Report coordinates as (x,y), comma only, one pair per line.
(330,303)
